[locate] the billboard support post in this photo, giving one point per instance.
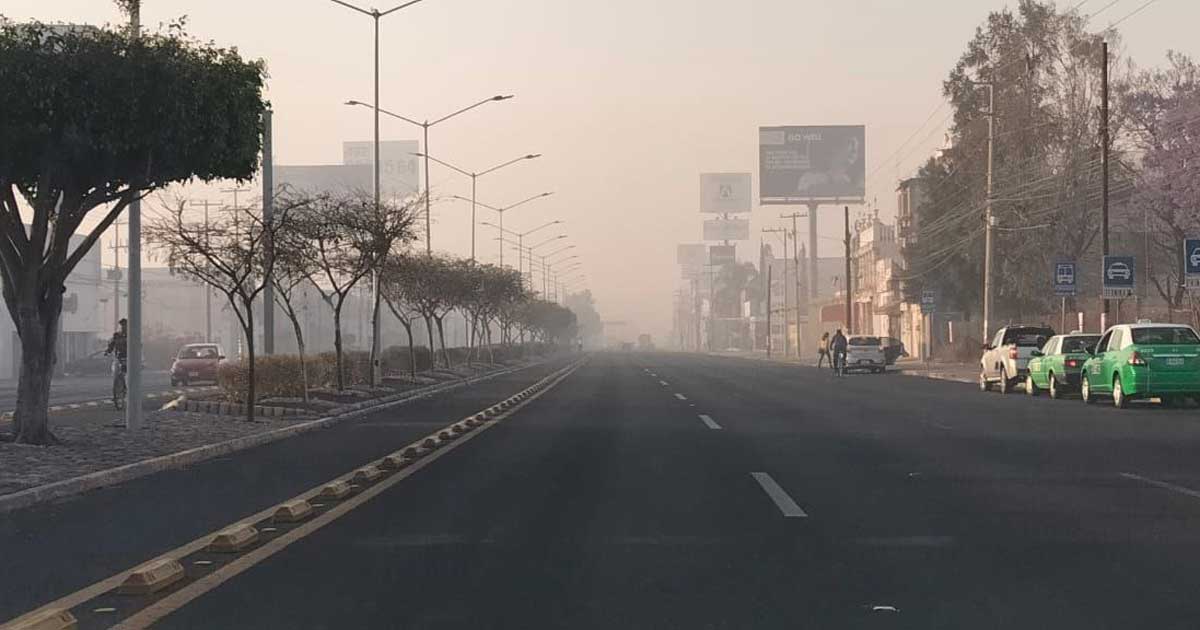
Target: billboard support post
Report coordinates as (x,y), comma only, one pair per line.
(849,283)
(812,252)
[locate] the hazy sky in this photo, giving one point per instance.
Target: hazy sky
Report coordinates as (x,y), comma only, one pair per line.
(629,100)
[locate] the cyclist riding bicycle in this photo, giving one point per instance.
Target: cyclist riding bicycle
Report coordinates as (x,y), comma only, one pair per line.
(837,349)
(118,347)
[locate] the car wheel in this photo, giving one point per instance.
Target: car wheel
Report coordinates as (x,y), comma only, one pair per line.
(1031,388)
(1005,384)
(1085,391)
(1120,400)
(1054,393)
(983,382)
(174,382)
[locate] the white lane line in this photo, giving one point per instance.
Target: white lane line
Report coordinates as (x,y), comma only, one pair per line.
(779,496)
(663,383)
(712,424)
(681,396)
(1164,485)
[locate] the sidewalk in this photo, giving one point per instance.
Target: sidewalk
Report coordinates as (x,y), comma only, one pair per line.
(943,371)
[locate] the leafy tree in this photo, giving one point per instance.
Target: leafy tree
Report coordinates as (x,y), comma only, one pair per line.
(293,266)
(394,287)
(429,286)
(93,120)
(230,256)
(591,326)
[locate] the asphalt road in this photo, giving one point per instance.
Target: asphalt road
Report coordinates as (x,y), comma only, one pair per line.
(65,390)
(739,494)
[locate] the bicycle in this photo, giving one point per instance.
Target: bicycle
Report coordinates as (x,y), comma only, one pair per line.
(119,387)
(839,363)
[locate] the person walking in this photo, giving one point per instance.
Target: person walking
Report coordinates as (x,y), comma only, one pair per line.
(823,350)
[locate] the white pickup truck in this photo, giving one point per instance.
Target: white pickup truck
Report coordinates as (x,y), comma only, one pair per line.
(1005,359)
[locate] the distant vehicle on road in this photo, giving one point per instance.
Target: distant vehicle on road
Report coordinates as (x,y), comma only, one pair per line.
(1057,367)
(1119,271)
(645,343)
(1144,360)
(865,353)
(893,349)
(196,362)
(1005,359)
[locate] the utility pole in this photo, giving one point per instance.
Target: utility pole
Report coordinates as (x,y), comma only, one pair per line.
(849,283)
(769,268)
(133,350)
(1104,152)
(207,289)
(116,247)
(268,215)
(989,217)
(796,256)
(786,319)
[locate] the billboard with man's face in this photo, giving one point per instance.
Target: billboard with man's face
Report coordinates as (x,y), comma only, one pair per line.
(797,164)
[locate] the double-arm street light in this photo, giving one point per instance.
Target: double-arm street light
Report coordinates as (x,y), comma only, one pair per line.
(376,15)
(474,176)
(424,126)
(502,210)
(521,237)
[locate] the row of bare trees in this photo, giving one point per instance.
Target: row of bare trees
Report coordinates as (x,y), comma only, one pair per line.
(334,242)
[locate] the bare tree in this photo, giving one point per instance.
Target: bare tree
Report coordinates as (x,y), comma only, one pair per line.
(229,256)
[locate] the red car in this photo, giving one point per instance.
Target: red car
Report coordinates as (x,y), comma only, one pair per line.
(196,362)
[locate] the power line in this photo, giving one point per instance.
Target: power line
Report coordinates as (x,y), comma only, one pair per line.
(1133,13)
(1103,9)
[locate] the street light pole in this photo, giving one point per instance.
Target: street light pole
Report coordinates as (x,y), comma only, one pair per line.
(989,218)
(133,350)
(501,211)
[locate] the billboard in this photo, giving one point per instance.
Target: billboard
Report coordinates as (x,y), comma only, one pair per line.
(691,272)
(691,254)
(806,163)
(399,169)
(724,192)
(727,230)
(719,255)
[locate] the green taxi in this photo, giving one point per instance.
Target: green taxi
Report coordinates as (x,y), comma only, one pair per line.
(1144,361)
(1056,367)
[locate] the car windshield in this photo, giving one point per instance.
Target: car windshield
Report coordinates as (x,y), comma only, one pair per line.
(864,341)
(198,352)
(1027,337)
(1079,343)
(1165,336)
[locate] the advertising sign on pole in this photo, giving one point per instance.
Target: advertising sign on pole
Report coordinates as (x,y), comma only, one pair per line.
(691,272)
(725,192)
(693,254)
(727,230)
(801,164)
(1118,277)
(1191,263)
(720,255)
(1064,278)
(330,178)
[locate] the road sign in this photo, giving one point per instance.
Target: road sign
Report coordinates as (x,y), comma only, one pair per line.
(928,301)
(1191,263)
(1118,277)
(1064,278)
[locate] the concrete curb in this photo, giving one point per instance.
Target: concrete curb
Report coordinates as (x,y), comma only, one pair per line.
(262,411)
(120,474)
(940,376)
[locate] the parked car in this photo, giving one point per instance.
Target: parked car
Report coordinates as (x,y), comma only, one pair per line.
(1143,360)
(1056,368)
(865,353)
(1005,359)
(196,362)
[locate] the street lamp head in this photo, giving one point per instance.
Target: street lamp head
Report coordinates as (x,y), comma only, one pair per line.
(418,154)
(502,97)
(354,102)
(533,156)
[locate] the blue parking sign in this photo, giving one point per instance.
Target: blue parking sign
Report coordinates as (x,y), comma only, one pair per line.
(1191,263)
(1064,278)
(1117,276)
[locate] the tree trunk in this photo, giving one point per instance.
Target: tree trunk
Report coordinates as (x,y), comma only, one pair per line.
(442,338)
(374,340)
(491,353)
(299,331)
(251,389)
(39,337)
(412,355)
(432,346)
(337,347)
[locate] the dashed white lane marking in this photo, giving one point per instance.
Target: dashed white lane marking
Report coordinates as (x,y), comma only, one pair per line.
(663,383)
(1164,485)
(712,424)
(784,502)
(681,396)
